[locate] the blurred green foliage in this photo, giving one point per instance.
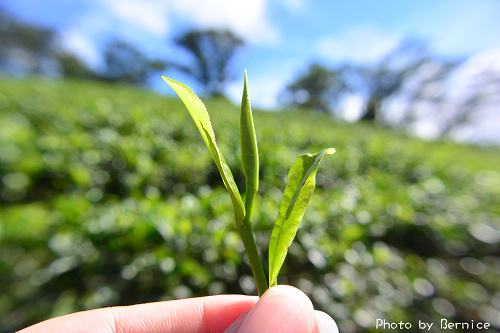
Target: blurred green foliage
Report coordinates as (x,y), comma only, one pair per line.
(109,197)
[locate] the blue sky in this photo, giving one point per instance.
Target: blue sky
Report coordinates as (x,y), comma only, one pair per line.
(283,36)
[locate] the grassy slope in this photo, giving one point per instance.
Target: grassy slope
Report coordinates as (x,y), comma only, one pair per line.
(319,128)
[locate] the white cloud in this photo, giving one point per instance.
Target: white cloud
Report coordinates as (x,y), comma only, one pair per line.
(131,18)
(149,16)
(246,18)
(293,6)
(478,77)
(360,44)
(76,42)
(426,128)
(484,61)
(264,84)
(352,107)
(147,23)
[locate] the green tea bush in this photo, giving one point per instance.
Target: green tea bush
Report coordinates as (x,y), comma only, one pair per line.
(108,198)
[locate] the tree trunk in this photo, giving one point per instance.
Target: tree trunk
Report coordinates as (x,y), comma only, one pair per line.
(371,110)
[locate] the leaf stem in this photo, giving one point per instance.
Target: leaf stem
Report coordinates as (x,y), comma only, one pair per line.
(246,234)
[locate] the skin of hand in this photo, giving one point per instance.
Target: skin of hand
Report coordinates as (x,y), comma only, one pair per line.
(280,309)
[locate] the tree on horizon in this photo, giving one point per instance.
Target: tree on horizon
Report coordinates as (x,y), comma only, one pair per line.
(212,51)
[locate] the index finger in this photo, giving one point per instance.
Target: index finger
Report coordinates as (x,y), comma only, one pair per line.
(203,314)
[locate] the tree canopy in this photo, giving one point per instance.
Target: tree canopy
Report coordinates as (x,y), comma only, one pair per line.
(319,88)
(212,51)
(125,63)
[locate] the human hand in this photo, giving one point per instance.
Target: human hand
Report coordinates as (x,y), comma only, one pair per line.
(283,309)
(280,309)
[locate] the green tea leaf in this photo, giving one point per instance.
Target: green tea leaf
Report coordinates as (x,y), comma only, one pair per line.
(201,118)
(249,152)
(299,188)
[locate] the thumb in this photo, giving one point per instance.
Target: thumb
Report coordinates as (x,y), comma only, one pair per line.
(280,309)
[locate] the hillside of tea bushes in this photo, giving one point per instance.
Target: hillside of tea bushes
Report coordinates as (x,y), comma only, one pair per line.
(108,196)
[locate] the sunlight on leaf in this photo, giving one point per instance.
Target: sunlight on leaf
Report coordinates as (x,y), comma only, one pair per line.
(300,186)
(201,118)
(249,151)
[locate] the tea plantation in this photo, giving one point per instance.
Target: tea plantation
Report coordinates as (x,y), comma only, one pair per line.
(108,196)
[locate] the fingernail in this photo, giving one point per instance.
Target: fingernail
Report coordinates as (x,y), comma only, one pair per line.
(325,323)
(280,309)
(296,297)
